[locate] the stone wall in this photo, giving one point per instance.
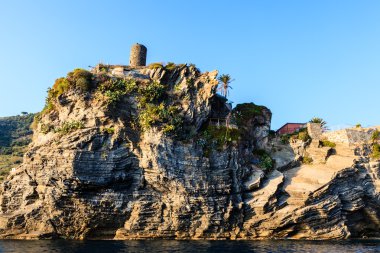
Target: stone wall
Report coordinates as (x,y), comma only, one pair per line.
(314,130)
(138,55)
(350,135)
(339,136)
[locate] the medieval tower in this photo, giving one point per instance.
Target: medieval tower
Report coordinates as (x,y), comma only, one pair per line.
(138,55)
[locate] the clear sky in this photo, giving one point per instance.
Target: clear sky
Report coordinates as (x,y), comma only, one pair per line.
(299,58)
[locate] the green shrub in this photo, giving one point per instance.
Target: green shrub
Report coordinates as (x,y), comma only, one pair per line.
(83,84)
(177,87)
(303,136)
(81,79)
(68,127)
(358,125)
(168,128)
(152,92)
(111,85)
(102,77)
(307,159)
(190,82)
(285,138)
(150,115)
(155,65)
(375,135)
(170,66)
(272,134)
(114,89)
(265,160)
(193,66)
(166,116)
(108,130)
(46,128)
(130,85)
(113,96)
(245,112)
(60,86)
(327,143)
(36,120)
(375,151)
(217,137)
(80,73)
(49,105)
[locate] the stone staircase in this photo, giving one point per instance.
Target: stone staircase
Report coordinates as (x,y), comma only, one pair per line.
(318,154)
(299,182)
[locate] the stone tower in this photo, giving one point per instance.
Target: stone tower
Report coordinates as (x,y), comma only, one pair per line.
(138,55)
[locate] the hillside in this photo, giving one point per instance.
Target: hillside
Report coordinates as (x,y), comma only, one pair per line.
(15,135)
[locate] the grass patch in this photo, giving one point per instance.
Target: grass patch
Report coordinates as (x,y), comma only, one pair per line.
(326,143)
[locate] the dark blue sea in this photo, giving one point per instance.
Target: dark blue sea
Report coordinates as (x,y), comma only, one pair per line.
(151,246)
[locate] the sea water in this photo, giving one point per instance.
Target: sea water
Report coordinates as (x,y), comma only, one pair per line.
(152,246)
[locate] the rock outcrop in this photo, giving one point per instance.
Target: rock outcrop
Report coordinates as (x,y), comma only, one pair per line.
(101,167)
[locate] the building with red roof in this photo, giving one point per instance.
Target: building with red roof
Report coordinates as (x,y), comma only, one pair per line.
(290,128)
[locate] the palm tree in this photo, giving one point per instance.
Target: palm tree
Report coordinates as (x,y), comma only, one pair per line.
(225,80)
(320,121)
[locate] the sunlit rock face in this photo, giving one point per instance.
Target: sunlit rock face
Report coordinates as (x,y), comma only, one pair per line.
(190,169)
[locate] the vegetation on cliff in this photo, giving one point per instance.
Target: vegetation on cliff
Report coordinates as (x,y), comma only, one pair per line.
(246,111)
(15,135)
(156,101)
(375,151)
(375,138)
(302,135)
(152,103)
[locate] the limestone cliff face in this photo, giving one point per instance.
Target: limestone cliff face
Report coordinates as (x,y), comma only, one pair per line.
(94,171)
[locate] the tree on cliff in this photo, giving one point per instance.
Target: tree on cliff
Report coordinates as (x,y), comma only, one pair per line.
(225,80)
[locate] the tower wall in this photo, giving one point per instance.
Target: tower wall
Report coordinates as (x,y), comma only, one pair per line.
(138,55)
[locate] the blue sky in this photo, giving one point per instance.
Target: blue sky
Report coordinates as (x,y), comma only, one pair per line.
(299,58)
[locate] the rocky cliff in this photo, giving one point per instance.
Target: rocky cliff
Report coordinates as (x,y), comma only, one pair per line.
(154,152)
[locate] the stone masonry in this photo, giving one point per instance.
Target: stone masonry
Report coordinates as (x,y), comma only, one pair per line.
(138,55)
(314,130)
